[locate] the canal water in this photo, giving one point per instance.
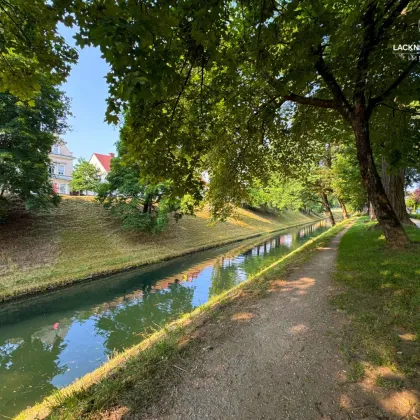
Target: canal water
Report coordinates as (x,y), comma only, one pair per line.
(47,342)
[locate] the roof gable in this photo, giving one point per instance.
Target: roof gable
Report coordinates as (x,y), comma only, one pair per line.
(104,160)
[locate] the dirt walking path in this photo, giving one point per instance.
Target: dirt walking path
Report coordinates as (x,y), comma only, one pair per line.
(278,358)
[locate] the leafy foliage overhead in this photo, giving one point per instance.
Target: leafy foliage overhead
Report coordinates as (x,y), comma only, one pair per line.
(282,194)
(204,80)
(396,134)
(31,47)
(346,182)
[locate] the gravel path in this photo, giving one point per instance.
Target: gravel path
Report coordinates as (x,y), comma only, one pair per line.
(278,358)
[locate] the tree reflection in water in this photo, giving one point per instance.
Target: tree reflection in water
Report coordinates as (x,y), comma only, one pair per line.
(121,326)
(95,320)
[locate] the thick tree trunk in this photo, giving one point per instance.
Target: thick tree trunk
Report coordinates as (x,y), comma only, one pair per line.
(394,187)
(343,208)
(388,220)
(327,207)
(372,215)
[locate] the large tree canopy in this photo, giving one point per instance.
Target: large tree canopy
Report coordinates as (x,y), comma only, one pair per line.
(31,47)
(214,84)
(27,134)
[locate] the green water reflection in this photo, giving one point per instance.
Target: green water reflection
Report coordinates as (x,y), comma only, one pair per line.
(47,342)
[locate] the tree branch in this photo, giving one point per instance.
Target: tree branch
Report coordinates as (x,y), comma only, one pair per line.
(271,101)
(408,111)
(371,39)
(391,18)
(304,100)
(387,92)
(390,5)
(182,90)
(341,103)
(369,42)
(318,102)
(18,26)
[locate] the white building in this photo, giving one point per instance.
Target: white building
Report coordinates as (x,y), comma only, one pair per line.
(103,163)
(61,167)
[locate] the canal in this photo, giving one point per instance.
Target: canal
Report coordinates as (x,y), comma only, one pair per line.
(48,341)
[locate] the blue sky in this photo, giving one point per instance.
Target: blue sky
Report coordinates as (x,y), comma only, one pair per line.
(88,90)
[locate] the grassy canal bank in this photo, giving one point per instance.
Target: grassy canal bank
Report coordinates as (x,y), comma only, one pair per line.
(381,296)
(134,379)
(80,239)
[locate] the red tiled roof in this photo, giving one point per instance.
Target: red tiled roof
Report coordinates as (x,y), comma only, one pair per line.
(105,160)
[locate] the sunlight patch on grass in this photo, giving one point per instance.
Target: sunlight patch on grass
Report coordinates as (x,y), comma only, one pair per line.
(381,295)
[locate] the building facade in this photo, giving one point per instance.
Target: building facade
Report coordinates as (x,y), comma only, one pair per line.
(61,168)
(102,163)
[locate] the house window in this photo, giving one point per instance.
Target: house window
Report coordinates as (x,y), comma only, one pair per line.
(51,169)
(56,149)
(61,169)
(63,189)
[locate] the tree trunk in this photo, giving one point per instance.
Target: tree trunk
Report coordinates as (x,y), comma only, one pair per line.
(343,208)
(394,187)
(327,207)
(388,220)
(146,205)
(372,215)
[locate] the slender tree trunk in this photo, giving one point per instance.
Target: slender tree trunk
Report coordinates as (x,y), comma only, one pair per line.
(372,215)
(343,208)
(394,188)
(327,207)
(147,206)
(393,230)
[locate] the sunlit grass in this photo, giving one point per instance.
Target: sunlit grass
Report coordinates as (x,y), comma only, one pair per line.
(382,298)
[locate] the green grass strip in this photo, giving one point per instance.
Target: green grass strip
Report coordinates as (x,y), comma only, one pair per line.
(382,298)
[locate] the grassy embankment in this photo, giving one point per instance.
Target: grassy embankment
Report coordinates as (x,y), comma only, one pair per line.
(382,299)
(80,239)
(135,378)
